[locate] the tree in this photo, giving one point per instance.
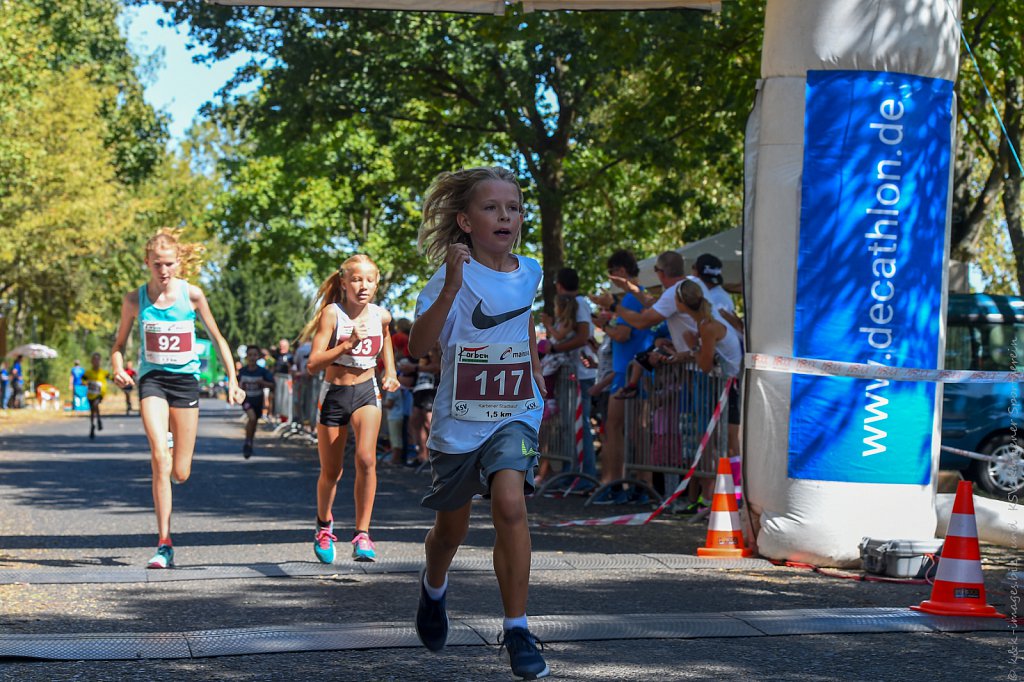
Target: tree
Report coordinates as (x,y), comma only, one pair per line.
(84,176)
(85,34)
(987,178)
(576,101)
(256,307)
(63,208)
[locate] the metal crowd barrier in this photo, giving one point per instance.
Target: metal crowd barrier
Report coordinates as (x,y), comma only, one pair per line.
(303,408)
(557,434)
(666,421)
(283,396)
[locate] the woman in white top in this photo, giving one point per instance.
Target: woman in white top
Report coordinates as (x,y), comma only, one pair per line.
(714,338)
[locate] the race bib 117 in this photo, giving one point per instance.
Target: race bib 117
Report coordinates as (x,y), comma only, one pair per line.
(493,381)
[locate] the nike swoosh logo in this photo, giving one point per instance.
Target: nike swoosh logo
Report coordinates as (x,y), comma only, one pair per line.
(194,402)
(482,320)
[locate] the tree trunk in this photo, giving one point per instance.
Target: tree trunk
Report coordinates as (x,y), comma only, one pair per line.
(549,196)
(1012,179)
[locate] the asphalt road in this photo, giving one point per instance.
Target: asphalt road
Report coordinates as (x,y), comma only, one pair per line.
(71,504)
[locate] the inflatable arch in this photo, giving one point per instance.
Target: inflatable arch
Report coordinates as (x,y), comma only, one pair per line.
(846,226)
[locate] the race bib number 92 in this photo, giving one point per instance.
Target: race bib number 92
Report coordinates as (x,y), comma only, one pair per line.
(169,343)
(493,381)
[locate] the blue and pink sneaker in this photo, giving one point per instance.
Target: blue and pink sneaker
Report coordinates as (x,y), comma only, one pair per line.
(164,557)
(363,548)
(323,543)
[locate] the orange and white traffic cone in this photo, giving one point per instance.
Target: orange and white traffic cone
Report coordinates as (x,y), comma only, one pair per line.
(725,539)
(959,588)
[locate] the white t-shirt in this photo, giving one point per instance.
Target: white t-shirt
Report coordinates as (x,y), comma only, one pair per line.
(491,307)
(720,299)
(584,314)
(678,323)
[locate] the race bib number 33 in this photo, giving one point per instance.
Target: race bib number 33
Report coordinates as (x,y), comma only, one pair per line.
(169,343)
(493,381)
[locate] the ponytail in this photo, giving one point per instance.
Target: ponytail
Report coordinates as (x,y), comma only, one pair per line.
(329,293)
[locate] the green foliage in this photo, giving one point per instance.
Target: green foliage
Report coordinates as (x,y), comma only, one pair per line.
(984,226)
(63,207)
(621,119)
(85,34)
(253,306)
(84,176)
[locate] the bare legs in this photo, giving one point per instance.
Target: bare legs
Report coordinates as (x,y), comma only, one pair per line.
(330,444)
(157,420)
(512,544)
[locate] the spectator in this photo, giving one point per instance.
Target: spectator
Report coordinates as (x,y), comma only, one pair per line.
(567,282)
(669,268)
(77,372)
(423,393)
(627,341)
(601,388)
(717,341)
(17,384)
(708,270)
(283,358)
(561,329)
(400,337)
(301,358)
(5,384)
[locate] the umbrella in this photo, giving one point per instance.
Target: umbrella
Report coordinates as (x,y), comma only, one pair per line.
(35,351)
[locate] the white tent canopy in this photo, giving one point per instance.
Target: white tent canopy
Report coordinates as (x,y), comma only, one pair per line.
(485,6)
(728,246)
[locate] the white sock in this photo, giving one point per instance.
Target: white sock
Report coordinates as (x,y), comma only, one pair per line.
(435,593)
(517,622)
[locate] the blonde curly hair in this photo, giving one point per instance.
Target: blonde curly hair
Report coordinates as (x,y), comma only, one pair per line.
(448,195)
(190,256)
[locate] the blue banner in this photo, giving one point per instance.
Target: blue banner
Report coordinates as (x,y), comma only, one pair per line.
(869,272)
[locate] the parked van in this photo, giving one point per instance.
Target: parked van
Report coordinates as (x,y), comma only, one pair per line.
(985,332)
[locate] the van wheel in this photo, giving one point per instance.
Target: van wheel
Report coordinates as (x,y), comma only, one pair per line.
(1005,476)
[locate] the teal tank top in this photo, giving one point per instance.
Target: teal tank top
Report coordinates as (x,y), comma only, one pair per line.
(167,336)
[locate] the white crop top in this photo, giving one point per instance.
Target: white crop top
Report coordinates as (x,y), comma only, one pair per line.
(364,355)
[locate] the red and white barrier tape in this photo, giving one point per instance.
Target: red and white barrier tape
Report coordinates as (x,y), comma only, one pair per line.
(834,368)
(642,518)
(579,440)
(975,455)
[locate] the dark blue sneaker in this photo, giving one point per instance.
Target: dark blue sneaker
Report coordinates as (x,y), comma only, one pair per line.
(610,496)
(431,618)
(524,654)
(639,496)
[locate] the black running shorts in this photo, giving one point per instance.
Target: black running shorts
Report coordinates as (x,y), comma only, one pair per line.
(341,402)
(179,390)
(424,399)
(254,403)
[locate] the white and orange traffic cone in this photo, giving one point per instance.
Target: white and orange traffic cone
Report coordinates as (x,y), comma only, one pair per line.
(725,539)
(959,588)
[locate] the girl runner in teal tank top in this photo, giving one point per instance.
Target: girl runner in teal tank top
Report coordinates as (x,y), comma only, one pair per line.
(166,308)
